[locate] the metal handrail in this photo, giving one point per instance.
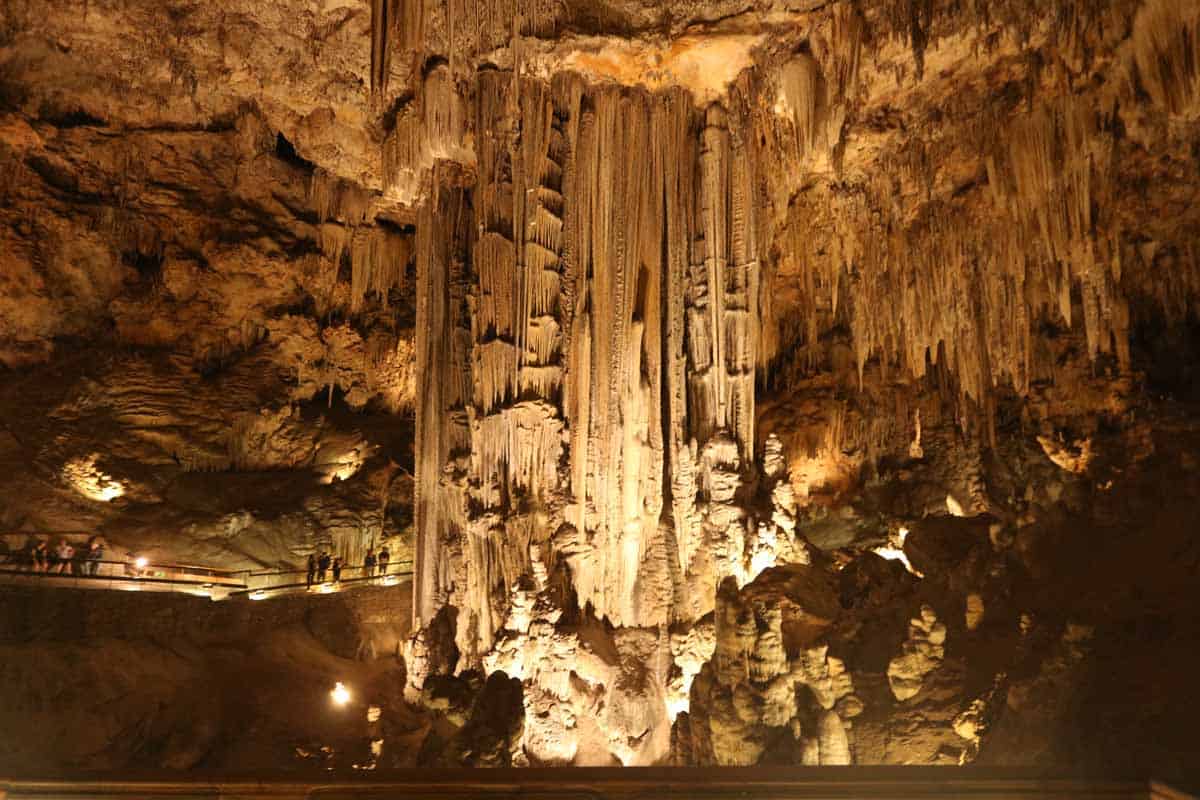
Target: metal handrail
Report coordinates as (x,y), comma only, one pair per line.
(25,558)
(113,578)
(267,580)
(79,566)
(323,586)
(221,582)
(261,573)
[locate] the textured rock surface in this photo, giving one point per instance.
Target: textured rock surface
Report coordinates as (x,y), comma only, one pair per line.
(922,653)
(779,382)
(110,679)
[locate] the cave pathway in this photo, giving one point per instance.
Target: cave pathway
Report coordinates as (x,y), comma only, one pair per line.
(216,584)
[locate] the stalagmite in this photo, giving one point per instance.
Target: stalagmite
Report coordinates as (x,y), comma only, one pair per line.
(922,653)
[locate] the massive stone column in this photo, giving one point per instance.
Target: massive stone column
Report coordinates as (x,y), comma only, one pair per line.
(591,391)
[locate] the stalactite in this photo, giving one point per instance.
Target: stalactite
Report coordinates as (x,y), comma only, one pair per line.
(335,199)
(802,89)
(378,259)
(927,280)
(1166,54)
(429,128)
(382,16)
(613,323)
(442,394)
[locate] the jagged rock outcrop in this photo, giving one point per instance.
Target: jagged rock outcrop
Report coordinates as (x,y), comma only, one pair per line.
(492,733)
(771,692)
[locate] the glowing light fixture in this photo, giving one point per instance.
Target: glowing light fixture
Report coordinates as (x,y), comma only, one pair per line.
(258,595)
(141,562)
(340,694)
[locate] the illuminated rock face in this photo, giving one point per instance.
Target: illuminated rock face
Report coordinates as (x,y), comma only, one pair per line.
(588,374)
(648,331)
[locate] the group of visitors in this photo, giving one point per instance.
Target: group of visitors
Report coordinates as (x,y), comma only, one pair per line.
(65,558)
(374,562)
(322,564)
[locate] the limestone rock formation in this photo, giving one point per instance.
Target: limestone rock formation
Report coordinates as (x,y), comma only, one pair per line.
(771,691)
(492,732)
(922,653)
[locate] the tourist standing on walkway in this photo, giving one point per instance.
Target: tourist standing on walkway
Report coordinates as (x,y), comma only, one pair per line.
(322,566)
(337,569)
(65,555)
(369,563)
(384,557)
(95,555)
(40,556)
(312,569)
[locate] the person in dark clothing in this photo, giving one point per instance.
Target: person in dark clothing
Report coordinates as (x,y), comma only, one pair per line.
(322,566)
(79,564)
(369,563)
(41,556)
(95,555)
(312,569)
(384,557)
(337,569)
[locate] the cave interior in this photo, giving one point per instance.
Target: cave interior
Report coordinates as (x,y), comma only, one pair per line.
(730,383)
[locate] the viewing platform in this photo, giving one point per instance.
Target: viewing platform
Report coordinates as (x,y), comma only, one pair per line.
(140,575)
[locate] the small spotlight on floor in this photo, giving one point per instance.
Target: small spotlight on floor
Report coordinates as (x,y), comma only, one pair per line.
(340,694)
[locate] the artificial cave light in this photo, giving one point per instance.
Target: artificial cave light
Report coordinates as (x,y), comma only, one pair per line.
(339,694)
